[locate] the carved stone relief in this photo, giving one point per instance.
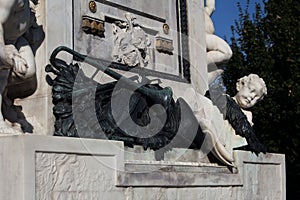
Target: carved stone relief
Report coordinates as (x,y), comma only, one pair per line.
(131,34)
(131,42)
(68,176)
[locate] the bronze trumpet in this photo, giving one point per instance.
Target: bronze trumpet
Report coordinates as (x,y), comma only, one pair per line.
(163,96)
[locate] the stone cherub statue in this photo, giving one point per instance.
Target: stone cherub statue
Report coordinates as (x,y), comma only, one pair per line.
(236,131)
(218,51)
(17,62)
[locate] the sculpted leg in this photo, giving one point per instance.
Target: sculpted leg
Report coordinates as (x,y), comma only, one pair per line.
(23,85)
(4,127)
(218,51)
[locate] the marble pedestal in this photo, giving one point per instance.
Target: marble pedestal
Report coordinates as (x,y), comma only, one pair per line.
(54,168)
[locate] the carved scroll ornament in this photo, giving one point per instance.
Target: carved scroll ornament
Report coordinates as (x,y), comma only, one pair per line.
(131,43)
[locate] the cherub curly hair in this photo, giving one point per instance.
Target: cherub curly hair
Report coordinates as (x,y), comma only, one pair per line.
(256,79)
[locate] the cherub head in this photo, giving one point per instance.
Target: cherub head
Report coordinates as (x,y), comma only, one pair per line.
(251,89)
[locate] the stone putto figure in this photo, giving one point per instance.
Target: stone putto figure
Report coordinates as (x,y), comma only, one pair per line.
(17,62)
(218,51)
(236,131)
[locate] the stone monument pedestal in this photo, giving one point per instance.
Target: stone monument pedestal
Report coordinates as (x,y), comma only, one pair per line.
(47,167)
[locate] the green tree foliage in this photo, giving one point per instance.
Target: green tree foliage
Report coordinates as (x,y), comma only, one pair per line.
(267,43)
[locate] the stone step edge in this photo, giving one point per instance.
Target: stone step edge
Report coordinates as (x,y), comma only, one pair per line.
(171,163)
(138,166)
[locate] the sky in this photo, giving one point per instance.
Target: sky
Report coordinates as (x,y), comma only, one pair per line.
(225,14)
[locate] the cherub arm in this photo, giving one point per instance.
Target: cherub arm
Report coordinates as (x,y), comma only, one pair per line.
(9,55)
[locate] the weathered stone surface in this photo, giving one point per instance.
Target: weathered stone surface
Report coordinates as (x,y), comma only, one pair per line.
(71,176)
(45,167)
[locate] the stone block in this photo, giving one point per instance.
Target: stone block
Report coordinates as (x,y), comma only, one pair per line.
(47,167)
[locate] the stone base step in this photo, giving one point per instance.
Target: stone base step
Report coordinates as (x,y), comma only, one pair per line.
(138,166)
(176,154)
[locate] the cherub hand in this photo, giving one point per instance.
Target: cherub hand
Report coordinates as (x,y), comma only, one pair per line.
(14,60)
(20,65)
(9,52)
